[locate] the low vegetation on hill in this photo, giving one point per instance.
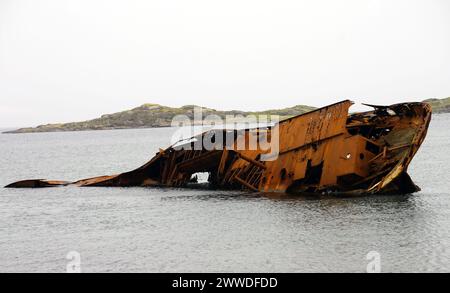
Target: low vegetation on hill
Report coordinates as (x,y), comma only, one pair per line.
(439,105)
(153,115)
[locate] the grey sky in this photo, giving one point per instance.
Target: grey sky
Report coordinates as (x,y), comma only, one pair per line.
(73,60)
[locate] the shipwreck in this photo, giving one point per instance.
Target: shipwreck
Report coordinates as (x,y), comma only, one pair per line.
(327,151)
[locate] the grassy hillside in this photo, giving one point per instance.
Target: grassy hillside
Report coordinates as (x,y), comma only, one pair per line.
(152,115)
(439,105)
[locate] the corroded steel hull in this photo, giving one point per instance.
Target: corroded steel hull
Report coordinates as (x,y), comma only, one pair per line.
(323,151)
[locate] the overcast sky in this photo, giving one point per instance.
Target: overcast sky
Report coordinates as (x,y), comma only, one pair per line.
(66,61)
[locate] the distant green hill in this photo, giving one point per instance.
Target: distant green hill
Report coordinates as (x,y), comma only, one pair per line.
(439,105)
(152,115)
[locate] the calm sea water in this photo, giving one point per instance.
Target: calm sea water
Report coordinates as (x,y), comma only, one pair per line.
(176,230)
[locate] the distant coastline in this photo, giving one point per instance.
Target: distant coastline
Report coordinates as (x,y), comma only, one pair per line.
(6,129)
(151,116)
(439,105)
(155,115)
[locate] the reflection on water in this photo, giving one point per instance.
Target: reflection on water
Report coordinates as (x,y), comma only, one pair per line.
(190,230)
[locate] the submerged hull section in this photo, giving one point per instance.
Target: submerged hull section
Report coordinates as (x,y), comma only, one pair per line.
(323,151)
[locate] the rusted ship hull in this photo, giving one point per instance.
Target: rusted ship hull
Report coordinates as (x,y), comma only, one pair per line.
(323,151)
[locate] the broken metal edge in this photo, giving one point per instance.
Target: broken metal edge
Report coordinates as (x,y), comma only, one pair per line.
(37,183)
